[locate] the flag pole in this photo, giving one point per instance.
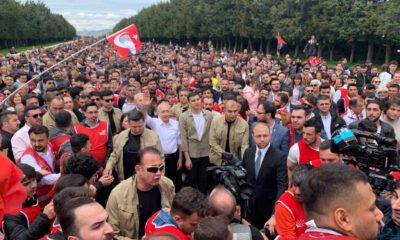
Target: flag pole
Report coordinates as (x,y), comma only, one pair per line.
(50,68)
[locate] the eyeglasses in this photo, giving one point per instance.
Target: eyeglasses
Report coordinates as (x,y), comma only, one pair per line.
(108,100)
(377,82)
(39,115)
(6,94)
(314,85)
(95,99)
(154,169)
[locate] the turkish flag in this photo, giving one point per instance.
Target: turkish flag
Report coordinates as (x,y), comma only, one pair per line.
(126,41)
(12,192)
(281,42)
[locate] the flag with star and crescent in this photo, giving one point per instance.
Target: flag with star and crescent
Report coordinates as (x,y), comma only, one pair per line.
(126,41)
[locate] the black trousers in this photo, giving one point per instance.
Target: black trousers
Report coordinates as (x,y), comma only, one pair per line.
(198,173)
(171,161)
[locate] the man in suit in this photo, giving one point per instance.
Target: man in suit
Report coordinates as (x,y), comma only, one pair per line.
(266,171)
(279,134)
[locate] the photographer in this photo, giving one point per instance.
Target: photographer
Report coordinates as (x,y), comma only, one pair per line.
(222,202)
(331,196)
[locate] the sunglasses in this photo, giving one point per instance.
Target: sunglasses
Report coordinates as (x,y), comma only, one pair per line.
(108,100)
(95,99)
(6,94)
(155,169)
(39,115)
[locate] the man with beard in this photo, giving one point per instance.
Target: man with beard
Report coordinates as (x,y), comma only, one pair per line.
(279,134)
(374,112)
(20,141)
(307,149)
(40,156)
(83,218)
(289,211)
(340,203)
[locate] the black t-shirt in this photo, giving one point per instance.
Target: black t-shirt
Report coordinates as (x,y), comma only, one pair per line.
(149,203)
(131,153)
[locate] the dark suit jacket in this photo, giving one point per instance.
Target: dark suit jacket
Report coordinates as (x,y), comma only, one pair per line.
(271,183)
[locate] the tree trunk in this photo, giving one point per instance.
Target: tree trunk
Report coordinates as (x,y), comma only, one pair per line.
(216,45)
(236,43)
(268,46)
(387,53)
(353,48)
(296,51)
(261,46)
(229,43)
(331,49)
(241,44)
(320,50)
(370,52)
(249,45)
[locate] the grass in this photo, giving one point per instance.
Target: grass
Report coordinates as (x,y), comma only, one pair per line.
(5,51)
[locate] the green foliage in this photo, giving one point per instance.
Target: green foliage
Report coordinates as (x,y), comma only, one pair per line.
(336,23)
(31,23)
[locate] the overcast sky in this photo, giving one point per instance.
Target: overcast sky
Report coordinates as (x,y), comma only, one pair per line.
(96,14)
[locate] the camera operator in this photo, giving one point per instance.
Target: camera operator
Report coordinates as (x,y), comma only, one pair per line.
(331,196)
(222,202)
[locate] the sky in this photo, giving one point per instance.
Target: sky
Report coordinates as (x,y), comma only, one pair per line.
(96,14)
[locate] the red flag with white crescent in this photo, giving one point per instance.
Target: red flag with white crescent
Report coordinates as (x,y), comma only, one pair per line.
(126,41)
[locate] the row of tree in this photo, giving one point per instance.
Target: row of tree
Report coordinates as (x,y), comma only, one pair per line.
(347,28)
(31,23)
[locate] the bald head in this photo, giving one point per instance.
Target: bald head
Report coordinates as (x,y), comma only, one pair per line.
(221,201)
(56,105)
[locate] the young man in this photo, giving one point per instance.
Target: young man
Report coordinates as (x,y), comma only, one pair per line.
(195,126)
(31,222)
(187,209)
(9,126)
(331,196)
(84,219)
(98,131)
(108,113)
(40,156)
(307,149)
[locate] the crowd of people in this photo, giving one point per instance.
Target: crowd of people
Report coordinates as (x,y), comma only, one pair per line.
(108,148)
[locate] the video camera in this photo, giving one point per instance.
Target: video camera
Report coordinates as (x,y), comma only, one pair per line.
(232,175)
(377,159)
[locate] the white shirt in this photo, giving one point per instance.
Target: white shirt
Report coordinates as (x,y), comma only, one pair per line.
(169,133)
(263,152)
(326,121)
(338,94)
(199,124)
(350,117)
(20,141)
(50,179)
(128,107)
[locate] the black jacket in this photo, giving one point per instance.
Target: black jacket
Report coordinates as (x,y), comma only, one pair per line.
(386,129)
(271,183)
(336,121)
(16,227)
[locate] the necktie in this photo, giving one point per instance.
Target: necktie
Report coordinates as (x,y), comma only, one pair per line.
(258,163)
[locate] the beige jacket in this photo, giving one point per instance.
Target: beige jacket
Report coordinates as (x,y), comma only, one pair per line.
(123,206)
(176,111)
(189,138)
(49,120)
(147,139)
(238,138)
(117,114)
